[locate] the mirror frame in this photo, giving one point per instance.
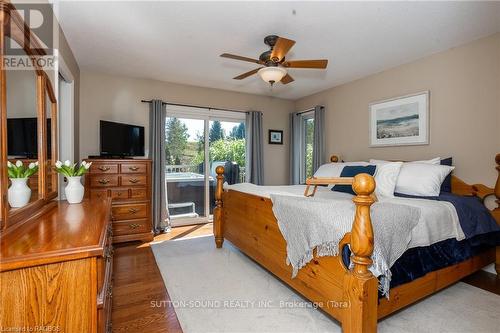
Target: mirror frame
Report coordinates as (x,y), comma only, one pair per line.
(48,91)
(13,26)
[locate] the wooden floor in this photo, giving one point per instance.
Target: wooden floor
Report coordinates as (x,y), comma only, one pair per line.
(139,295)
(138,286)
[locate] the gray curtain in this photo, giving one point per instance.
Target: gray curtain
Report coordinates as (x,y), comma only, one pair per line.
(319,137)
(295,147)
(157,115)
(254,151)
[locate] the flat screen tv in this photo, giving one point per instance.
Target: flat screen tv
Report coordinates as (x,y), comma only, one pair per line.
(121,140)
(22,137)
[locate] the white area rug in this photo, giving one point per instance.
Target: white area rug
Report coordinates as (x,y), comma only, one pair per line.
(222,290)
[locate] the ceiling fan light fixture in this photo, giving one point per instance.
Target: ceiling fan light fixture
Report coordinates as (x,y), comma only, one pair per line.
(272,74)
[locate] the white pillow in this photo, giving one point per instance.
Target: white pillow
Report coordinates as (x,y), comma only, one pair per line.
(335,169)
(422,179)
(386,177)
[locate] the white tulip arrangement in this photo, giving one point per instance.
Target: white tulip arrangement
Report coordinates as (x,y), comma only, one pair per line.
(69,169)
(19,170)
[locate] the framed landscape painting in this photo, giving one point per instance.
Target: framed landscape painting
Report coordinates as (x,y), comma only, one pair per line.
(400,121)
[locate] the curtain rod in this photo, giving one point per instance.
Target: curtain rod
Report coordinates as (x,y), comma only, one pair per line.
(196,106)
(305,111)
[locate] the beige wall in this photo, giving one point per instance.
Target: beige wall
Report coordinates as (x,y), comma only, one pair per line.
(464,85)
(70,60)
(115,98)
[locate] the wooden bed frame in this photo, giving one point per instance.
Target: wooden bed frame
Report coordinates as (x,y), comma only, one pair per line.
(348,295)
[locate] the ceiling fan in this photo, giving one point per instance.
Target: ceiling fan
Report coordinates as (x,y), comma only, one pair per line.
(274,63)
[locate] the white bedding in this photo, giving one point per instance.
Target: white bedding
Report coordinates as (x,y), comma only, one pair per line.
(438,219)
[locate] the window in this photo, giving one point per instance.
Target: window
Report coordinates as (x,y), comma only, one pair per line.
(307,145)
(306,139)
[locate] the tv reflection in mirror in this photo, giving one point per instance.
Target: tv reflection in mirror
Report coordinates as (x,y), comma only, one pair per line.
(22,138)
(121,140)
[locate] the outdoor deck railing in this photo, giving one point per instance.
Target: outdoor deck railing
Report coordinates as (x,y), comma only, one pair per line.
(182,168)
(195,168)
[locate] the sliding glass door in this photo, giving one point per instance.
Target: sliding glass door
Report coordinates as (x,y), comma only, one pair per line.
(185,169)
(197,141)
(226,141)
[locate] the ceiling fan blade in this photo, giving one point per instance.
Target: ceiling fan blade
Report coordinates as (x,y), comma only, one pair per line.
(247,74)
(237,57)
(287,79)
(321,64)
(281,48)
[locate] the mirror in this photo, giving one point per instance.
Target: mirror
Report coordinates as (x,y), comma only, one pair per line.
(51,141)
(23,147)
(28,127)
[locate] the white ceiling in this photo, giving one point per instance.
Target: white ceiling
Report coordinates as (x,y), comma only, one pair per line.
(181,41)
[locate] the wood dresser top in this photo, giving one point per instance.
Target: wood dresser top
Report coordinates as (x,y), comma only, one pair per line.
(64,232)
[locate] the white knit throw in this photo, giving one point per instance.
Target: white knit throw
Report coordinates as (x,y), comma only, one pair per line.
(309,223)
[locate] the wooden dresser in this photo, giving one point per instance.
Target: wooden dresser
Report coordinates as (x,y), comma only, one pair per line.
(56,270)
(128,183)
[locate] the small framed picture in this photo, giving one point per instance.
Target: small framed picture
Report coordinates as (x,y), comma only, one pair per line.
(400,121)
(275,137)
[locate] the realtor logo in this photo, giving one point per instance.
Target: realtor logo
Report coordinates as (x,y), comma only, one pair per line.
(29,51)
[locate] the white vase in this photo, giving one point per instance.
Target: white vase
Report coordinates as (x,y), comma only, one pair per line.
(19,193)
(74,190)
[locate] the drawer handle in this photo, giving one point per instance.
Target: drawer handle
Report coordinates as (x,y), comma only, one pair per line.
(119,194)
(109,292)
(133,168)
(134,225)
(133,210)
(103,181)
(110,230)
(134,180)
(104,168)
(108,253)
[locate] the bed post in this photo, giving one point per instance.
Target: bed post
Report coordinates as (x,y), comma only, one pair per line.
(360,286)
(334,158)
(496,211)
(219,237)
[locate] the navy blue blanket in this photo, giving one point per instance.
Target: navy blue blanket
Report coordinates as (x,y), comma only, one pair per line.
(475,219)
(481,232)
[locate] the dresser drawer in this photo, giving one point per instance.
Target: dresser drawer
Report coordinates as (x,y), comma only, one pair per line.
(120,193)
(138,193)
(133,168)
(105,286)
(104,310)
(103,180)
(105,265)
(131,227)
(103,167)
(130,211)
(104,316)
(98,194)
(134,180)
